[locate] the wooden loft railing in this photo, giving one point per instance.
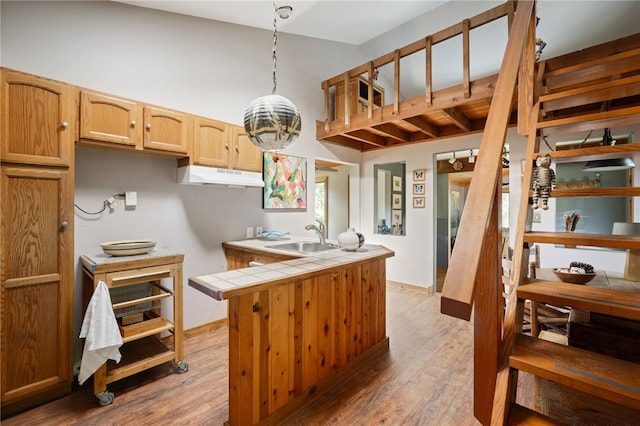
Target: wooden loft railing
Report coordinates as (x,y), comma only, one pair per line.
(474,266)
(438,114)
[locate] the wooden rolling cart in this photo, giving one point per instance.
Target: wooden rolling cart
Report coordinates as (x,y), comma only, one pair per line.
(138,289)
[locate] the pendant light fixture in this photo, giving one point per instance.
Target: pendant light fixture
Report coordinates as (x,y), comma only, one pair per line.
(272,121)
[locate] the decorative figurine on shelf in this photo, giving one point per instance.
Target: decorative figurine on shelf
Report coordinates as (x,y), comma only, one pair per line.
(544,179)
(571,221)
(540,45)
(383,228)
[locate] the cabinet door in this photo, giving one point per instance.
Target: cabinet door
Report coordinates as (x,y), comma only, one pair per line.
(211,143)
(36,282)
(38,125)
(109,119)
(167,130)
(246,156)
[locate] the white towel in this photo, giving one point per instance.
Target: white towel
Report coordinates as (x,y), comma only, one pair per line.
(100,328)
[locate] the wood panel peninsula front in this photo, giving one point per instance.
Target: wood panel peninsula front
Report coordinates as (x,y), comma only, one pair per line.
(297,323)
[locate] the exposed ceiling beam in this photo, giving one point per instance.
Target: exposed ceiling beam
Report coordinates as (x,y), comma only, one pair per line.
(423,125)
(458,118)
(368,137)
(394,132)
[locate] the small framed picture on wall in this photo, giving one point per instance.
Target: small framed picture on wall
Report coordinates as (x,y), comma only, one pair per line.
(418,189)
(396,201)
(396,217)
(418,202)
(397,184)
(419,175)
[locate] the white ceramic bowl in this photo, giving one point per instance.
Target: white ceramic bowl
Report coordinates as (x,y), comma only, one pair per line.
(128,247)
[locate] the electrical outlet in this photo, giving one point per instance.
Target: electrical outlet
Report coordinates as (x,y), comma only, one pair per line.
(258,229)
(249,231)
(130,199)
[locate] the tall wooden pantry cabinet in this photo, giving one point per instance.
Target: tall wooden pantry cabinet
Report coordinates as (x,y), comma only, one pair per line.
(37,132)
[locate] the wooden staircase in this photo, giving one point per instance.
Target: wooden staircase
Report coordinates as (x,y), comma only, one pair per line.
(562,95)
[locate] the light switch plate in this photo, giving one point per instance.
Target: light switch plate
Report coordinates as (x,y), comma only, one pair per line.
(249,231)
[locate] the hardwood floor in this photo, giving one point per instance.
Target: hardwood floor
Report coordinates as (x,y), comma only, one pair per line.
(426,378)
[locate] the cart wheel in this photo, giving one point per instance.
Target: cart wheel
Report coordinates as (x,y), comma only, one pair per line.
(183,367)
(105,398)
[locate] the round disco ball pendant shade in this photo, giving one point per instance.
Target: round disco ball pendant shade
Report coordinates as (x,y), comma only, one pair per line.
(272,122)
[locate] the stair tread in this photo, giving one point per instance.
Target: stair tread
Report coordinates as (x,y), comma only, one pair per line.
(612,118)
(599,375)
(623,304)
(519,415)
(606,90)
(601,151)
(584,239)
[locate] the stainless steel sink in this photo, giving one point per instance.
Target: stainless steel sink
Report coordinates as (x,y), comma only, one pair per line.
(304,247)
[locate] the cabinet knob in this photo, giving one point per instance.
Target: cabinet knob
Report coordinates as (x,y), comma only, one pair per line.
(133,123)
(64,124)
(226,145)
(148,126)
(64,225)
(237,148)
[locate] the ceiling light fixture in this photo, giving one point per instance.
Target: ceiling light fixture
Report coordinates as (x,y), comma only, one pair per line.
(452,159)
(472,158)
(610,164)
(284,12)
(273,121)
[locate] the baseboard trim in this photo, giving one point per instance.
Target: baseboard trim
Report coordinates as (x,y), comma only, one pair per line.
(424,290)
(206,328)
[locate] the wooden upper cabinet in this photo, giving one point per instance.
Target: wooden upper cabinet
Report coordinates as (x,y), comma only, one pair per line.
(39,121)
(211,143)
(223,145)
(246,156)
(167,130)
(105,118)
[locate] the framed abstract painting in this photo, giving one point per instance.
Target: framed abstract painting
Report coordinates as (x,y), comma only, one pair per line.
(285,181)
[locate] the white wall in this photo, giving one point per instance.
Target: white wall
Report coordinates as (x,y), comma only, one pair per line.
(414,261)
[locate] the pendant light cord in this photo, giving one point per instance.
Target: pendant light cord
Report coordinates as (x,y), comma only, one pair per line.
(275,44)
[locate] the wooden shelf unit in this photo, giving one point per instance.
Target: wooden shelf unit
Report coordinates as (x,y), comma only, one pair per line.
(143,343)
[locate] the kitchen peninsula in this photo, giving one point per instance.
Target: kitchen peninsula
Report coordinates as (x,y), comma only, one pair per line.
(297,323)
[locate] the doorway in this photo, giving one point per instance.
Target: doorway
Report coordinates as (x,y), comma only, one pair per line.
(339,199)
(454,173)
(322,201)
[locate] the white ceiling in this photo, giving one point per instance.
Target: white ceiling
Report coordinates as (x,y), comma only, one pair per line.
(347,21)
(566,25)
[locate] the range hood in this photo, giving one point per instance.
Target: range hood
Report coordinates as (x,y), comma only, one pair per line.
(199,175)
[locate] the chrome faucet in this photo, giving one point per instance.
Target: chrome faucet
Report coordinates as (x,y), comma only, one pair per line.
(319,230)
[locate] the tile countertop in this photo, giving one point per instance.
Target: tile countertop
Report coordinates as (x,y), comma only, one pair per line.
(227,284)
